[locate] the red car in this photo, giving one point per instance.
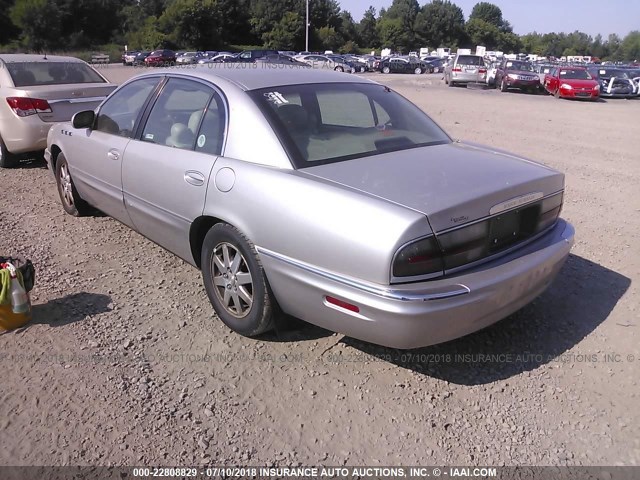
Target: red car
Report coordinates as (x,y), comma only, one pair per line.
(161,58)
(572,82)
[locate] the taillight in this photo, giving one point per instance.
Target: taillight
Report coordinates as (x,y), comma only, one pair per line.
(549,211)
(418,258)
(24,106)
(482,70)
(456,69)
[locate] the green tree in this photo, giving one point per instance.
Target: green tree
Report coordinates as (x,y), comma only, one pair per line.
(39,21)
(350,47)
(147,36)
(481,32)
(287,34)
(404,11)
(631,46)
(368,29)
(329,38)
(8,30)
(487,12)
(348,28)
(440,24)
(391,33)
(510,43)
(192,23)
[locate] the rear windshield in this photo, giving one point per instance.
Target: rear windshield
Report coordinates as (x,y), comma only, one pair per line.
(575,74)
(326,123)
(470,60)
(522,66)
(28,74)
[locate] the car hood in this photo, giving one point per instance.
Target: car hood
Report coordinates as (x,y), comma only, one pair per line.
(451,184)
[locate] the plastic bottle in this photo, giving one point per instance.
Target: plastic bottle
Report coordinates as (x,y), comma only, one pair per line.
(19,299)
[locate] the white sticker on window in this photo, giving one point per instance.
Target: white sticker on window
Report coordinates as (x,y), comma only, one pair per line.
(148,136)
(276,98)
(603,72)
(563,72)
(201,141)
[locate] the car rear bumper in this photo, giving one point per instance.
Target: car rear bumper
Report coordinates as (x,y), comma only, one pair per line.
(25,134)
(461,77)
(425,313)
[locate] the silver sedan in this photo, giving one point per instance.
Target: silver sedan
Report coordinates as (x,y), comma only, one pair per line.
(323,195)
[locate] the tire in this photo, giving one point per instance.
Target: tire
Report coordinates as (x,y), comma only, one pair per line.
(339,69)
(386,70)
(362,69)
(249,308)
(417,71)
(503,85)
(72,203)
(7,159)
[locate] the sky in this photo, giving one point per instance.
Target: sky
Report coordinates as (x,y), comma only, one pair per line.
(543,16)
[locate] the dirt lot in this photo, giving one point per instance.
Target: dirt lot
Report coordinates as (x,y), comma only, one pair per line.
(112,371)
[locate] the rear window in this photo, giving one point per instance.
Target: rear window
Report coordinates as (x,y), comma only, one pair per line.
(470,60)
(326,123)
(28,74)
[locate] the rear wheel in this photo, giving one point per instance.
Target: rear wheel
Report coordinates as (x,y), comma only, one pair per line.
(71,201)
(235,281)
(417,71)
(386,70)
(362,69)
(339,69)
(7,159)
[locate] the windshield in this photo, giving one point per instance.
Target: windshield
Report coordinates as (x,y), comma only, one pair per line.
(522,66)
(575,74)
(28,74)
(326,123)
(612,73)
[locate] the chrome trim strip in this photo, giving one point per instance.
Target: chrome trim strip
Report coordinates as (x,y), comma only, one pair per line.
(393,294)
(488,217)
(77,100)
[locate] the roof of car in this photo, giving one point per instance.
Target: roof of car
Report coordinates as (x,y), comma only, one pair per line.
(24,57)
(249,77)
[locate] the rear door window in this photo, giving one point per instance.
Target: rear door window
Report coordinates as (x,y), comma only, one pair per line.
(470,60)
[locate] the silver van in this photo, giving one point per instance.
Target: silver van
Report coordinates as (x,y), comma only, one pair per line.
(465,69)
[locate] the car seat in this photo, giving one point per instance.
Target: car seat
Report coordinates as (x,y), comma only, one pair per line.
(181,136)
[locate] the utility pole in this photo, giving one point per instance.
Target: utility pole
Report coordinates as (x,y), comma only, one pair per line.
(306,45)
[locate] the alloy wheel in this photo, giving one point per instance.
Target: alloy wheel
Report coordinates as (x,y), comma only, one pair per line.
(66,186)
(232,279)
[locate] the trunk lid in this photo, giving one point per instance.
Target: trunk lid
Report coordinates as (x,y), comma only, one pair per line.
(68,99)
(451,184)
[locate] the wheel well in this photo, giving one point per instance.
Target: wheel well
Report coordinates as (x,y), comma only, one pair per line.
(198,231)
(55,151)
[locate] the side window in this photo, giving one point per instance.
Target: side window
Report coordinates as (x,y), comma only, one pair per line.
(245,55)
(176,115)
(211,132)
(346,109)
(119,113)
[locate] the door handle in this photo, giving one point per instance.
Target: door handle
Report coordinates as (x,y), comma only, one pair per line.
(194,178)
(113,154)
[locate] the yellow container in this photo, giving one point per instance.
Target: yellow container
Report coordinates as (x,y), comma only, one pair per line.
(10,320)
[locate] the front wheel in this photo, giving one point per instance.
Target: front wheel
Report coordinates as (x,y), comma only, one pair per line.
(386,70)
(235,281)
(339,69)
(71,201)
(417,71)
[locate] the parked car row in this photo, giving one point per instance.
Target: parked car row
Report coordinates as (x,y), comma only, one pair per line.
(562,81)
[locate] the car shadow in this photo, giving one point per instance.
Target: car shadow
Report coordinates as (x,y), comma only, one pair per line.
(580,299)
(69,309)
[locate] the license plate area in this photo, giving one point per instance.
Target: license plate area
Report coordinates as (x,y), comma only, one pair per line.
(511,227)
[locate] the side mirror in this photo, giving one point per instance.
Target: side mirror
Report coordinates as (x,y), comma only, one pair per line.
(83,119)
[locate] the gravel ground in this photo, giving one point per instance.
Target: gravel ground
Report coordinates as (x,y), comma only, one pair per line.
(126,364)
